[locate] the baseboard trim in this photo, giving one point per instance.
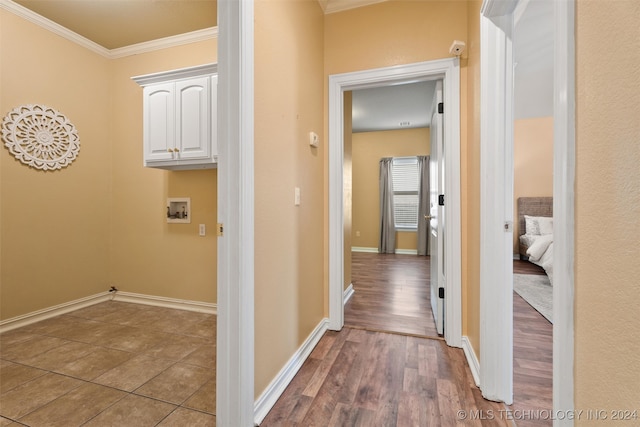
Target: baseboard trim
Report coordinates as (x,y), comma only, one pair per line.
(406,252)
(274,390)
(49,312)
(180,304)
(375,250)
(472,360)
(363,249)
(348,293)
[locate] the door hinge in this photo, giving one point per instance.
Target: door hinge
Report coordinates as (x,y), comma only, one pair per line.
(441,199)
(441,108)
(441,293)
(219,229)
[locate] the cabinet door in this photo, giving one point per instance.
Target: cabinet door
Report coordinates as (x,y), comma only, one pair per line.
(193,125)
(159,122)
(214,117)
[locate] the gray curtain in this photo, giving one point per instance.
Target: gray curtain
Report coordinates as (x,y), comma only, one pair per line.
(423,205)
(387,244)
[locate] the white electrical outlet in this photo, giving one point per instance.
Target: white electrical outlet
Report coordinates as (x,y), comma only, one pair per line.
(202,230)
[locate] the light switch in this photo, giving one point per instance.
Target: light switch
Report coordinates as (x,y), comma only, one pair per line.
(313,139)
(296,196)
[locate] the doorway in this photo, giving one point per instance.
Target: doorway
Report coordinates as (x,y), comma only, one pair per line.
(388,127)
(448,71)
(496,337)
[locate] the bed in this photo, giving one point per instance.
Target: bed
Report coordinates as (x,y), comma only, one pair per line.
(535,231)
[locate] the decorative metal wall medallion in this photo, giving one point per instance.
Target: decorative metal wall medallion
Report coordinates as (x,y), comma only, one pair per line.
(40,137)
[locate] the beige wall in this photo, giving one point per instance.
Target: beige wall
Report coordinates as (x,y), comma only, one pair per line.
(532,163)
(607,325)
(149,256)
(470,182)
(289,260)
(368,149)
(55,225)
(72,233)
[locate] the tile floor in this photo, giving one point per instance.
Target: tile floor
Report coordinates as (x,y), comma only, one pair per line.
(111,364)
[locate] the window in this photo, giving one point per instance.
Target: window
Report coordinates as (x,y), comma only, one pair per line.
(405,192)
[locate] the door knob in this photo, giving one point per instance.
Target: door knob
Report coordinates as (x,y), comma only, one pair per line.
(429,217)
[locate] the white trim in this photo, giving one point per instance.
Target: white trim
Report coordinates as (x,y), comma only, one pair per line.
(163,43)
(49,312)
(364,249)
(276,387)
(496,204)
(348,293)
(564,166)
(472,359)
(406,252)
(181,73)
(179,304)
(235,389)
(564,198)
(448,70)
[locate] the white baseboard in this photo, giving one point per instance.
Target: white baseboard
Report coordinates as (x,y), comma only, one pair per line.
(180,304)
(363,249)
(348,293)
(270,395)
(375,250)
(406,252)
(67,307)
(472,360)
(56,310)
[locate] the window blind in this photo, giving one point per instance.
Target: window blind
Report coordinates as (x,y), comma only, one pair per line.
(405,192)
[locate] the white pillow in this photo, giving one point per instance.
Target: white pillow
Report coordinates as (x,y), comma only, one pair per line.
(545,225)
(538,225)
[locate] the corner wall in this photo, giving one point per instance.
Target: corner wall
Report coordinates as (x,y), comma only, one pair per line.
(54,233)
(148,255)
(289,256)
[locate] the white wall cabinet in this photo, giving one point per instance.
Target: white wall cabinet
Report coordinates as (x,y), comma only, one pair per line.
(179,118)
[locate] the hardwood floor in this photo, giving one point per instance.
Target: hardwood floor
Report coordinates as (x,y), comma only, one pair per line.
(391,294)
(532,364)
(364,378)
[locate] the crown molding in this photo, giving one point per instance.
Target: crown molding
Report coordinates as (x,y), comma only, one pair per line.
(48,24)
(163,43)
(166,42)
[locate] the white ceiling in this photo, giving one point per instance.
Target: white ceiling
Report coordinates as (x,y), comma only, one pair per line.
(400,106)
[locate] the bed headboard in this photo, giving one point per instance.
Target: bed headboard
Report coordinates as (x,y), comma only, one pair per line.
(533,206)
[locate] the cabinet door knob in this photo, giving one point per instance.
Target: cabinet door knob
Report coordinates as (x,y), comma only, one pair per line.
(169,150)
(177,150)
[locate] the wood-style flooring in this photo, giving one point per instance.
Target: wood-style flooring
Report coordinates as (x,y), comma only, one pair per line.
(532,359)
(364,376)
(391,294)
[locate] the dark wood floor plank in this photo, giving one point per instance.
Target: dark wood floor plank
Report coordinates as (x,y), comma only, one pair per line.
(361,376)
(391,293)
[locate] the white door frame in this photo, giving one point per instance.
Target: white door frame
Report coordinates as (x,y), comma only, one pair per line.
(496,137)
(448,70)
(235,361)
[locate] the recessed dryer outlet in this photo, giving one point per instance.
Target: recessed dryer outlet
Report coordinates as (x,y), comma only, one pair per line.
(179,210)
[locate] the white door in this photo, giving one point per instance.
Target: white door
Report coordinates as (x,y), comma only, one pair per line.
(436,212)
